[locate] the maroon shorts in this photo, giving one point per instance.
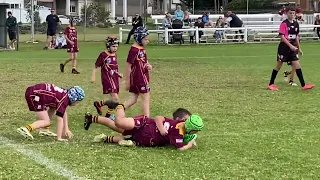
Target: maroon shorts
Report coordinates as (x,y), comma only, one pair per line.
(142,133)
(72,49)
(139,89)
(110,86)
(34,101)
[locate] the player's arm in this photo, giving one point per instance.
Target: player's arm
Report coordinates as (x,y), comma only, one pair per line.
(190,145)
(98,65)
(130,60)
(60,125)
(159,123)
(66,129)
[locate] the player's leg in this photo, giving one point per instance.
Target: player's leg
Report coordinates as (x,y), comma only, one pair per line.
(131,101)
(62,65)
(74,62)
(108,139)
(89,119)
(296,65)
(291,75)
(43,122)
(145,104)
(46,131)
(274,73)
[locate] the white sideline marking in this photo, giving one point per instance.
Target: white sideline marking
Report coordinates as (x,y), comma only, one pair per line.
(40,159)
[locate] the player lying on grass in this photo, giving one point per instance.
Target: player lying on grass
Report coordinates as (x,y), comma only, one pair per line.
(288,50)
(147,132)
(46,100)
(108,64)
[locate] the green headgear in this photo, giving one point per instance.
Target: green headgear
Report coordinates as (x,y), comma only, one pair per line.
(193,123)
(189,137)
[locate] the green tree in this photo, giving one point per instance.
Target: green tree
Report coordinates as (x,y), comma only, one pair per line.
(96,14)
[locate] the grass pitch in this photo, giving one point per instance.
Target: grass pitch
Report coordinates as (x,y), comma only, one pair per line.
(250,132)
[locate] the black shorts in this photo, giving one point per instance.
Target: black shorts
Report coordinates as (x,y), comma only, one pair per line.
(285,54)
(51,32)
(12,35)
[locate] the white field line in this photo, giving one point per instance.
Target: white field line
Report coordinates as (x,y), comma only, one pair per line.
(172,57)
(40,159)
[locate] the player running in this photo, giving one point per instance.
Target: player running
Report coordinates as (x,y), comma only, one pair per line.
(46,100)
(137,71)
(107,62)
(147,132)
(288,50)
(72,47)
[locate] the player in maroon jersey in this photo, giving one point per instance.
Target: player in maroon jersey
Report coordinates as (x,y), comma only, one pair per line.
(137,71)
(107,62)
(289,50)
(147,132)
(72,47)
(46,100)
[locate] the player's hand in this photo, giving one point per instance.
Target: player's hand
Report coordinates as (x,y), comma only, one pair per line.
(300,52)
(127,85)
(120,75)
(294,49)
(62,140)
(149,67)
(71,43)
(163,132)
(68,134)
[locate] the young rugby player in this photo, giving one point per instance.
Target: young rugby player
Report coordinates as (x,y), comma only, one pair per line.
(288,50)
(107,62)
(147,132)
(137,71)
(46,100)
(72,47)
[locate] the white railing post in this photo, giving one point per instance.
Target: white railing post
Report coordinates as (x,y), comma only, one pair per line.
(166,36)
(245,34)
(197,35)
(120,34)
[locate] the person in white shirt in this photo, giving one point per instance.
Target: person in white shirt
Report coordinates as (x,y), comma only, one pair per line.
(61,42)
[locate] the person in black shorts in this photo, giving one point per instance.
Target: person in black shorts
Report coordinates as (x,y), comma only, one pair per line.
(289,50)
(52,21)
(11,24)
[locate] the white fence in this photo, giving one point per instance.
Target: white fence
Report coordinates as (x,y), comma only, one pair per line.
(246,18)
(249,33)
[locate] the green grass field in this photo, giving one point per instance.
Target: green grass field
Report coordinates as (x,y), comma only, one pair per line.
(250,132)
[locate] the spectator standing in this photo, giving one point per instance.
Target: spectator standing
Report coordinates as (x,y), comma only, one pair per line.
(317,22)
(219,33)
(136,22)
(11,24)
(52,22)
(179,13)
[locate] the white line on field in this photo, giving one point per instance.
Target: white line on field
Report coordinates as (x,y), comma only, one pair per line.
(40,159)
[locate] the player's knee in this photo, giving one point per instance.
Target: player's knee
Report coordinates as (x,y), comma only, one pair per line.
(118,122)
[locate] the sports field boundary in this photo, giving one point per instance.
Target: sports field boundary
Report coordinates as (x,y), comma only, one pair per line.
(40,159)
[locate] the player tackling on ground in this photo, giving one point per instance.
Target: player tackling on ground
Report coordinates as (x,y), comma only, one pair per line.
(46,100)
(72,47)
(147,132)
(288,50)
(107,62)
